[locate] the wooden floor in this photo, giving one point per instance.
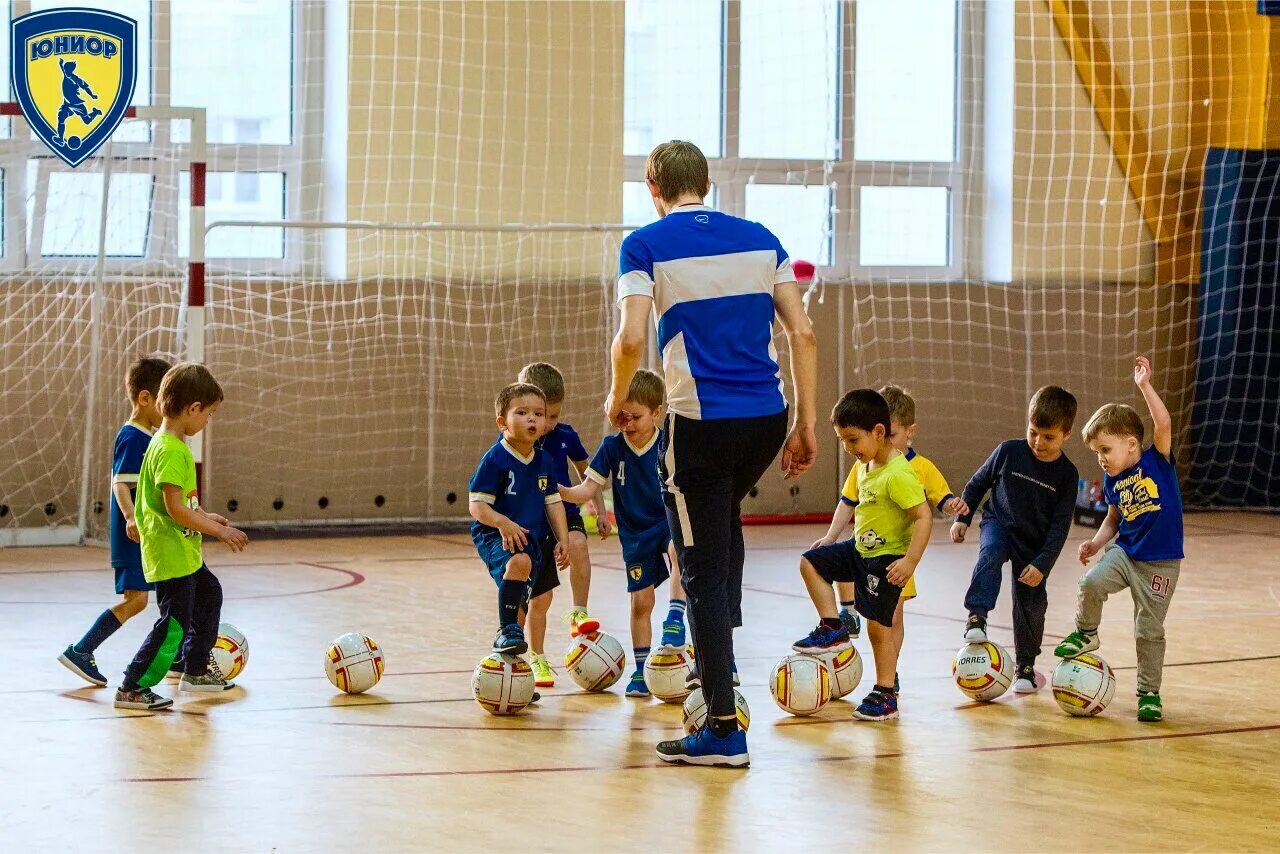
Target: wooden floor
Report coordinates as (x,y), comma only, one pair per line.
(284,763)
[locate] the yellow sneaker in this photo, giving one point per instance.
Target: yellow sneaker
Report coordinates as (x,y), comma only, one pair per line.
(543,675)
(580,623)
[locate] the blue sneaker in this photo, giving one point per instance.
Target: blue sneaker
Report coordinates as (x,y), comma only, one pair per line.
(877,706)
(510,639)
(822,639)
(673,632)
(637,687)
(705,748)
(852,622)
(82,665)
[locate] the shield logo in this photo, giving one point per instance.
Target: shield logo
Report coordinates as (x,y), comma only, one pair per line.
(73,73)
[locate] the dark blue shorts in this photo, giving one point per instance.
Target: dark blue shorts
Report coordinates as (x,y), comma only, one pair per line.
(131,578)
(646,565)
(874,596)
(496,557)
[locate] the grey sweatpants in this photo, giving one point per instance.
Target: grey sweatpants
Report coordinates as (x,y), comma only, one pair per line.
(1151,585)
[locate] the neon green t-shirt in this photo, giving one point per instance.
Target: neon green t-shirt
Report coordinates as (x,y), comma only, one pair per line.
(881,525)
(168,550)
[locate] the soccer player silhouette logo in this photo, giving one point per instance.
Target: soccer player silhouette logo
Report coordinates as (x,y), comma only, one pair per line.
(72,105)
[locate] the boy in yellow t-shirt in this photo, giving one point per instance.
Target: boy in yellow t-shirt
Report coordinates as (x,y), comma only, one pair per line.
(902,431)
(892,524)
(170,523)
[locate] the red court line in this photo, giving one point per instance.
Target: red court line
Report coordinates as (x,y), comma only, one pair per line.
(830,759)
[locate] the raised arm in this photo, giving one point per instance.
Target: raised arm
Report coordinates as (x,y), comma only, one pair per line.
(801,449)
(1163,437)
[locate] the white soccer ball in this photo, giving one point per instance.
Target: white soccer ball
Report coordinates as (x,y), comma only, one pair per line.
(596,662)
(665,672)
(801,684)
(983,671)
(846,670)
(503,684)
(230,653)
(353,663)
(694,713)
(1084,685)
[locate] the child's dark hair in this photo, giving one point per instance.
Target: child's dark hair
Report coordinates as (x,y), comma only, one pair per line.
(1117,419)
(546,377)
(863,408)
(509,393)
(187,383)
(1052,407)
(145,374)
(647,389)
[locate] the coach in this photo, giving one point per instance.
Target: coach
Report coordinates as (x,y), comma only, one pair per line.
(714,284)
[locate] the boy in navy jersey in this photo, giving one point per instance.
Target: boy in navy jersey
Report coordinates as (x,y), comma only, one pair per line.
(630,459)
(143,386)
(512,496)
(561,446)
(1146,513)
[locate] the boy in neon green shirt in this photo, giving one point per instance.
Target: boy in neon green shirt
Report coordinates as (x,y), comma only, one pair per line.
(170,524)
(892,524)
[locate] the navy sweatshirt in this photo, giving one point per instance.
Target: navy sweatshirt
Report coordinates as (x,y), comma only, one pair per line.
(1031,500)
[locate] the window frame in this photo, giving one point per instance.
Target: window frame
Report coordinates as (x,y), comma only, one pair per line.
(844,175)
(302,197)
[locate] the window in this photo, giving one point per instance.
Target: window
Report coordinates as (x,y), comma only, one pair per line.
(244,62)
(839,122)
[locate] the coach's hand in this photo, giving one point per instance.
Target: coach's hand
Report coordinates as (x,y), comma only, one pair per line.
(799,452)
(613,411)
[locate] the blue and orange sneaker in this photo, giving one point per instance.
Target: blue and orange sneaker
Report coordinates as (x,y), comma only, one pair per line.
(510,639)
(877,706)
(704,747)
(822,639)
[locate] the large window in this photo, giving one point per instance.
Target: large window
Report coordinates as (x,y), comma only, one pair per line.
(832,122)
(245,62)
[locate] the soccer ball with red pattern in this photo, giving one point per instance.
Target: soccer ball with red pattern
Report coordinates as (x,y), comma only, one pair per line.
(503,684)
(230,651)
(353,663)
(983,671)
(595,662)
(1084,685)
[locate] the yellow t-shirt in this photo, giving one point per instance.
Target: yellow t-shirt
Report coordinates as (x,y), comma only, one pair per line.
(881,525)
(935,485)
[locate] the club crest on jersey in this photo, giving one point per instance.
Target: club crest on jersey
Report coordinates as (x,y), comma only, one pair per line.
(542,483)
(73,73)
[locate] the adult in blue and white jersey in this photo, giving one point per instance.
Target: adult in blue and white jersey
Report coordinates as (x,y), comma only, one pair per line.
(713,284)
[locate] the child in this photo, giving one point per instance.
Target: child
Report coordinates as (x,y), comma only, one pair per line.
(902,431)
(630,460)
(142,383)
(1146,510)
(892,524)
(1033,491)
(512,495)
(170,523)
(560,446)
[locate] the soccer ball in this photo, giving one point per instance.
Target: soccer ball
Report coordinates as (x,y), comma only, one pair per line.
(694,713)
(983,671)
(1084,685)
(846,670)
(353,663)
(73,143)
(800,684)
(230,651)
(503,684)
(595,663)
(665,672)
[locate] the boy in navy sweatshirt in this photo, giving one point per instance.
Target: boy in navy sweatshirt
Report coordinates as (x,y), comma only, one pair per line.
(1033,489)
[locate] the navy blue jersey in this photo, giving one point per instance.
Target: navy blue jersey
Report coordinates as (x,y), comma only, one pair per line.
(562,446)
(1150,506)
(126,462)
(637,489)
(519,488)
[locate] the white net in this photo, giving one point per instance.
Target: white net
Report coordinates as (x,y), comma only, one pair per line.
(997,195)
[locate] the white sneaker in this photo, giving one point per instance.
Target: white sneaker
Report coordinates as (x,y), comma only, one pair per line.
(1026,681)
(975,629)
(210,682)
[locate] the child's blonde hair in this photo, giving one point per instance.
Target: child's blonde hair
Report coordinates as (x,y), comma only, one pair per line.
(546,377)
(647,389)
(902,406)
(1117,419)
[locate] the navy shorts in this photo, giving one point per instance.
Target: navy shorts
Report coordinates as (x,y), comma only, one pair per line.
(131,578)
(874,596)
(496,557)
(646,566)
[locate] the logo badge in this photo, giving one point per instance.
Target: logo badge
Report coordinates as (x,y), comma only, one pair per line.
(73,73)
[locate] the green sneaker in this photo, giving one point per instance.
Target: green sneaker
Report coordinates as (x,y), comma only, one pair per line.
(1149,708)
(1075,644)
